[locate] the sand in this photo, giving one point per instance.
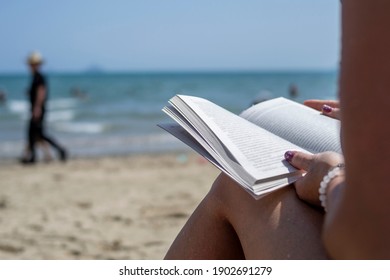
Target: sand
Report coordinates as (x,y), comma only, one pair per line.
(99,208)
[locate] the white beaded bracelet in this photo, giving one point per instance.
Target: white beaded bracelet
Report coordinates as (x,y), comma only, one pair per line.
(332,173)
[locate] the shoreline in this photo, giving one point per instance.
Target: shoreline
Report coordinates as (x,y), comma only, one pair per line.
(14,160)
(108,207)
(97,147)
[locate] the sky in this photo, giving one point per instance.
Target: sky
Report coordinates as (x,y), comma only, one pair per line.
(171,35)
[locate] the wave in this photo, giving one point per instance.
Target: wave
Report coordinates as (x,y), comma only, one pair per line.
(80,127)
(123,144)
(62,115)
(18,106)
(62,103)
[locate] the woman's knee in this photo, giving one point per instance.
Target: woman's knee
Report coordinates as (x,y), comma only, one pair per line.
(227,197)
(231,199)
(224,190)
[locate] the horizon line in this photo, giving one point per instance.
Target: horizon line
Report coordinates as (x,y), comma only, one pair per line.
(177,71)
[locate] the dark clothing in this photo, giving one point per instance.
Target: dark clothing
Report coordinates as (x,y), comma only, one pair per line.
(37,81)
(36,132)
(36,126)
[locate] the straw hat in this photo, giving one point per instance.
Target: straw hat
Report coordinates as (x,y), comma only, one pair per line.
(35,58)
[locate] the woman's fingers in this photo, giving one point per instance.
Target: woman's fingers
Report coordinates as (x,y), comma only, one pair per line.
(331,111)
(317,104)
(316,166)
(330,108)
(299,160)
(305,186)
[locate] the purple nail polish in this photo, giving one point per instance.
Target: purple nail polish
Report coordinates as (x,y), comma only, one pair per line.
(327,109)
(288,155)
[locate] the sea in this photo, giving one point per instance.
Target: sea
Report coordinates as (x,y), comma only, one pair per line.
(111,114)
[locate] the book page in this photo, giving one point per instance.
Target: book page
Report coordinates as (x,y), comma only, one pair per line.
(260,152)
(198,137)
(297,123)
(201,148)
(256,190)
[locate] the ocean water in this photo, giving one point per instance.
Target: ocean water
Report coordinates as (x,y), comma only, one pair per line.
(117,113)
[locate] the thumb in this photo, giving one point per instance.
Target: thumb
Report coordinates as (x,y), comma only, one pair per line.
(303,186)
(299,160)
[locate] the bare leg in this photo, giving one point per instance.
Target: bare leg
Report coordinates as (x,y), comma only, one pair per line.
(230,224)
(46,151)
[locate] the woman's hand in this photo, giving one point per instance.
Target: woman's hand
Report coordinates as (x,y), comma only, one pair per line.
(317,166)
(330,108)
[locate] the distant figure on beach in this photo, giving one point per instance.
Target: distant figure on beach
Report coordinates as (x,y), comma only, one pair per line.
(78,93)
(293,91)
(3,97)
(38,95)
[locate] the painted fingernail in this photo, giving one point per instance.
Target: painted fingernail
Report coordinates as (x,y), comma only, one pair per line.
(288,155)
(327,109)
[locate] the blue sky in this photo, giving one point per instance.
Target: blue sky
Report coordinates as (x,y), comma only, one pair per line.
(171,35)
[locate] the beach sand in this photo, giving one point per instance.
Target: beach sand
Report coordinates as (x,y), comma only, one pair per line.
(99,208)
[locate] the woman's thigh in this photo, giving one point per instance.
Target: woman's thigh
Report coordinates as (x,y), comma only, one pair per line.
(276,226)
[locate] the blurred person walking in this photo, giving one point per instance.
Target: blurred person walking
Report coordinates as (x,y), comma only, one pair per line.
(38,95)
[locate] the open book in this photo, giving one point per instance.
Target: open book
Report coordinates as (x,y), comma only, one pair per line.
(250,148)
